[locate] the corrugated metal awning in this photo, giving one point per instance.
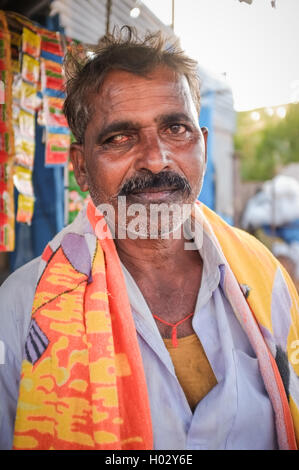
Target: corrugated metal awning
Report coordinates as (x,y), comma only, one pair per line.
(86,20)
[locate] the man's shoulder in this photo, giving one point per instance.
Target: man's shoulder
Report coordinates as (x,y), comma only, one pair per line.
(23,277)
(16,294)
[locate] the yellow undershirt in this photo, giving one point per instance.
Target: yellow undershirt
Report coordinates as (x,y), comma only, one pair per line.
(192,368)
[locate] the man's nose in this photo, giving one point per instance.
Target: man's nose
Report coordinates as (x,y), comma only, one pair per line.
(153,154)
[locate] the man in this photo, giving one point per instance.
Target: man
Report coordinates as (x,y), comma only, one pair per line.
(179,333)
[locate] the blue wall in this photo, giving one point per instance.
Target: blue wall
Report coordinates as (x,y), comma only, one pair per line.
(207,195)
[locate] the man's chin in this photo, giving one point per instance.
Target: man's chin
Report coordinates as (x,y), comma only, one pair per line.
(155,197)
(152,217)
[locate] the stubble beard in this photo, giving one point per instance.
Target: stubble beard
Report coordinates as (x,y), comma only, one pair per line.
(171,215)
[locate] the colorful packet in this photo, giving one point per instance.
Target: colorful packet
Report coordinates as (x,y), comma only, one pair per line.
(50,43)
(7,223)
(26,124)
(4,207)
(2,113)
(30,69)
(57,148)
(7,220)
(25,209)
(16,89)
(31,43)
(28,97)
(4,172)
(4,143)
(52,78)
(15,48)
(3,123)
(23,180)
(24,151)
(53,108)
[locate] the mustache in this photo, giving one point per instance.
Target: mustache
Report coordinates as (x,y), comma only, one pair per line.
(149,180)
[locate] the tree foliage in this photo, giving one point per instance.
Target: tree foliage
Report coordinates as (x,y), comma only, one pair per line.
(268,144)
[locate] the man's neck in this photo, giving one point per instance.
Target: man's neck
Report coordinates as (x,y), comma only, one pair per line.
(168,276)
(148,253)
(147,257)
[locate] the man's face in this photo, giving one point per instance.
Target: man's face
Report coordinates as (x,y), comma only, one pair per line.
(143,141)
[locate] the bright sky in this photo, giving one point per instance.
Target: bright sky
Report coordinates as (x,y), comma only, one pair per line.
(256,45)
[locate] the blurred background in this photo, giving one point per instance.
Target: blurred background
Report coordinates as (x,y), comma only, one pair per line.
(247,51)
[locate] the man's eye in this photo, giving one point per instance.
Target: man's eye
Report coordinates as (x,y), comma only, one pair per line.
(177,129)
(117,139)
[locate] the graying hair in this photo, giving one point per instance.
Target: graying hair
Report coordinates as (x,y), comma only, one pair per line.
(86,68)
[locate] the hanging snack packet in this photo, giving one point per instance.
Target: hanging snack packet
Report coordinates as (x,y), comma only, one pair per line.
(4,172)
(7,219)
(15,48)
(28,97)
(51,44)
(31,43)
(52,78)
(25,209)
(16,89)
(57,148)
(24,151)
(7,232)
(7,214)
(30,69)
(22,179)
(26,124)
(53,109)
(4,144)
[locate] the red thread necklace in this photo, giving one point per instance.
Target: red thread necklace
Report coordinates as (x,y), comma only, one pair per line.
(174,326)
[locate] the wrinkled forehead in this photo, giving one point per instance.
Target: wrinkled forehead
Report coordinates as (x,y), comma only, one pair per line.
(123,91)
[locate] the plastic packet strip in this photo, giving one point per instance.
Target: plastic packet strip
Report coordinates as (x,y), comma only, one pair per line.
(5,172)
(57,148)
(28,96)
(15,48)
(24,151)
(53,108)
(7,232)
(7,214)
(30,69)
(16,88)
(27,124)
(31,43)
(51,43)
(4,142)
(3,125)
(15,39)
(4,208)
(25,209)
(52,76)
(22,179)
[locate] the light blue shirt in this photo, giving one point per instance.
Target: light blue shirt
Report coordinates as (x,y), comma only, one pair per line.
(235,414)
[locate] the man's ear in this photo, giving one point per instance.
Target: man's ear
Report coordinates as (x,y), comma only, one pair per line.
(205,132)
(79,166)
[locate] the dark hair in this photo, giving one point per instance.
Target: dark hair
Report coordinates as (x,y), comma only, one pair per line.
(86,68)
